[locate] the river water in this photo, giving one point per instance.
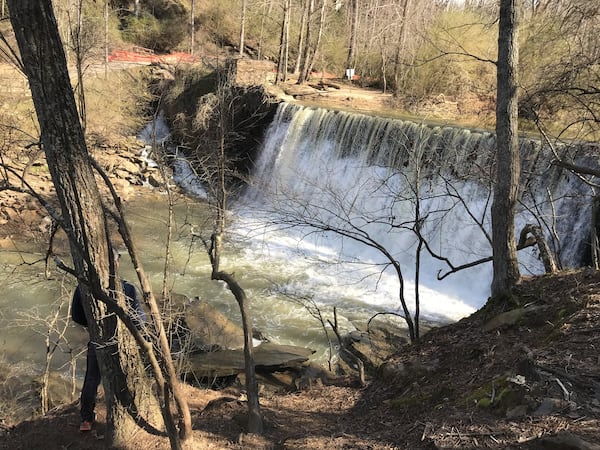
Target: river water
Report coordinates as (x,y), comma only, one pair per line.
(275,268)
(283,269)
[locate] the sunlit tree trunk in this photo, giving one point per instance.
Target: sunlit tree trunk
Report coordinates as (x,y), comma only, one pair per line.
(305,57)
(506,268)
(192,26)
(243,27)
(301,37)
(312,55)
(282,63)
(400,47)
(106,49)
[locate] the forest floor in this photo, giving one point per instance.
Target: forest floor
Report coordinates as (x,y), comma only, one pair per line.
(523,373)
(496,380)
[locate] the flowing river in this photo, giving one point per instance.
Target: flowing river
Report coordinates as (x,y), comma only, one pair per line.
(314,164)
(277,271)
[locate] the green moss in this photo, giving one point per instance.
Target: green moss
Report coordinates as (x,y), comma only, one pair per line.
(499,395)
(484,395)
(484,402)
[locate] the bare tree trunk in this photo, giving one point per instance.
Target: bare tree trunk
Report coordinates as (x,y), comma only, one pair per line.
(351,59)
(319,35)
(169,381)
(106,39)
(383,66)
(243,27)
(255,422)
(192,26)
(505,263)
(306,52)
(301,35)
(79,57)
(594,233)
(214,250)
(287,38)
(128,391)
(540,241)
(400,46)
(267,8)
(282,63)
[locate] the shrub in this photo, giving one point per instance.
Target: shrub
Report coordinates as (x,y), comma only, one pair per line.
(450,62)
(149,32)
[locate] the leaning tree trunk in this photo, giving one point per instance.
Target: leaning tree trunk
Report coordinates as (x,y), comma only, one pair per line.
(128,392)
(505,263)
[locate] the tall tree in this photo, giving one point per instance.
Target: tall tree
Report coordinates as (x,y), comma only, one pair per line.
(400,47)
(306,55)
(192,26)
(282,62)
(301,36)
(131,402)
(506,268)
(243,26)
(353,13)
(216,168)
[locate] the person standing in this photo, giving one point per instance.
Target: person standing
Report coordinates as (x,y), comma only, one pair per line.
(92,378)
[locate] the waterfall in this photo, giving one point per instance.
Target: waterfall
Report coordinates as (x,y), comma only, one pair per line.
(322,170)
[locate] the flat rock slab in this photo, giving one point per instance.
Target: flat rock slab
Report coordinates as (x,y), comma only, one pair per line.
(267,356)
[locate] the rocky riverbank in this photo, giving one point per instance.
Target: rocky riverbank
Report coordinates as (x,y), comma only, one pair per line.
(22,216)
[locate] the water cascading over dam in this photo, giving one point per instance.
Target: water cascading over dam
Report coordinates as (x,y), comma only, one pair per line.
(359,185)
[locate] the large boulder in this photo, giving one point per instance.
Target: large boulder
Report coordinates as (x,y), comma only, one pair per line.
(213,345)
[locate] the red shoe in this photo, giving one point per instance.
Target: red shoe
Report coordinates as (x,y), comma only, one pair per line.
(85,426)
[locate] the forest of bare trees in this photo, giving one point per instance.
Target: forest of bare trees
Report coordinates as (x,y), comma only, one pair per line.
(416,49)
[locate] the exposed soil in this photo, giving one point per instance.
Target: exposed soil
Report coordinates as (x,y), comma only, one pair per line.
(531,384)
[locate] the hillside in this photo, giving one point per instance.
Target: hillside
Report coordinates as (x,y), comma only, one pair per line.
(530,382)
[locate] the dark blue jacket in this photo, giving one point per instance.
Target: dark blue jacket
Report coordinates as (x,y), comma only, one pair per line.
(131,297)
